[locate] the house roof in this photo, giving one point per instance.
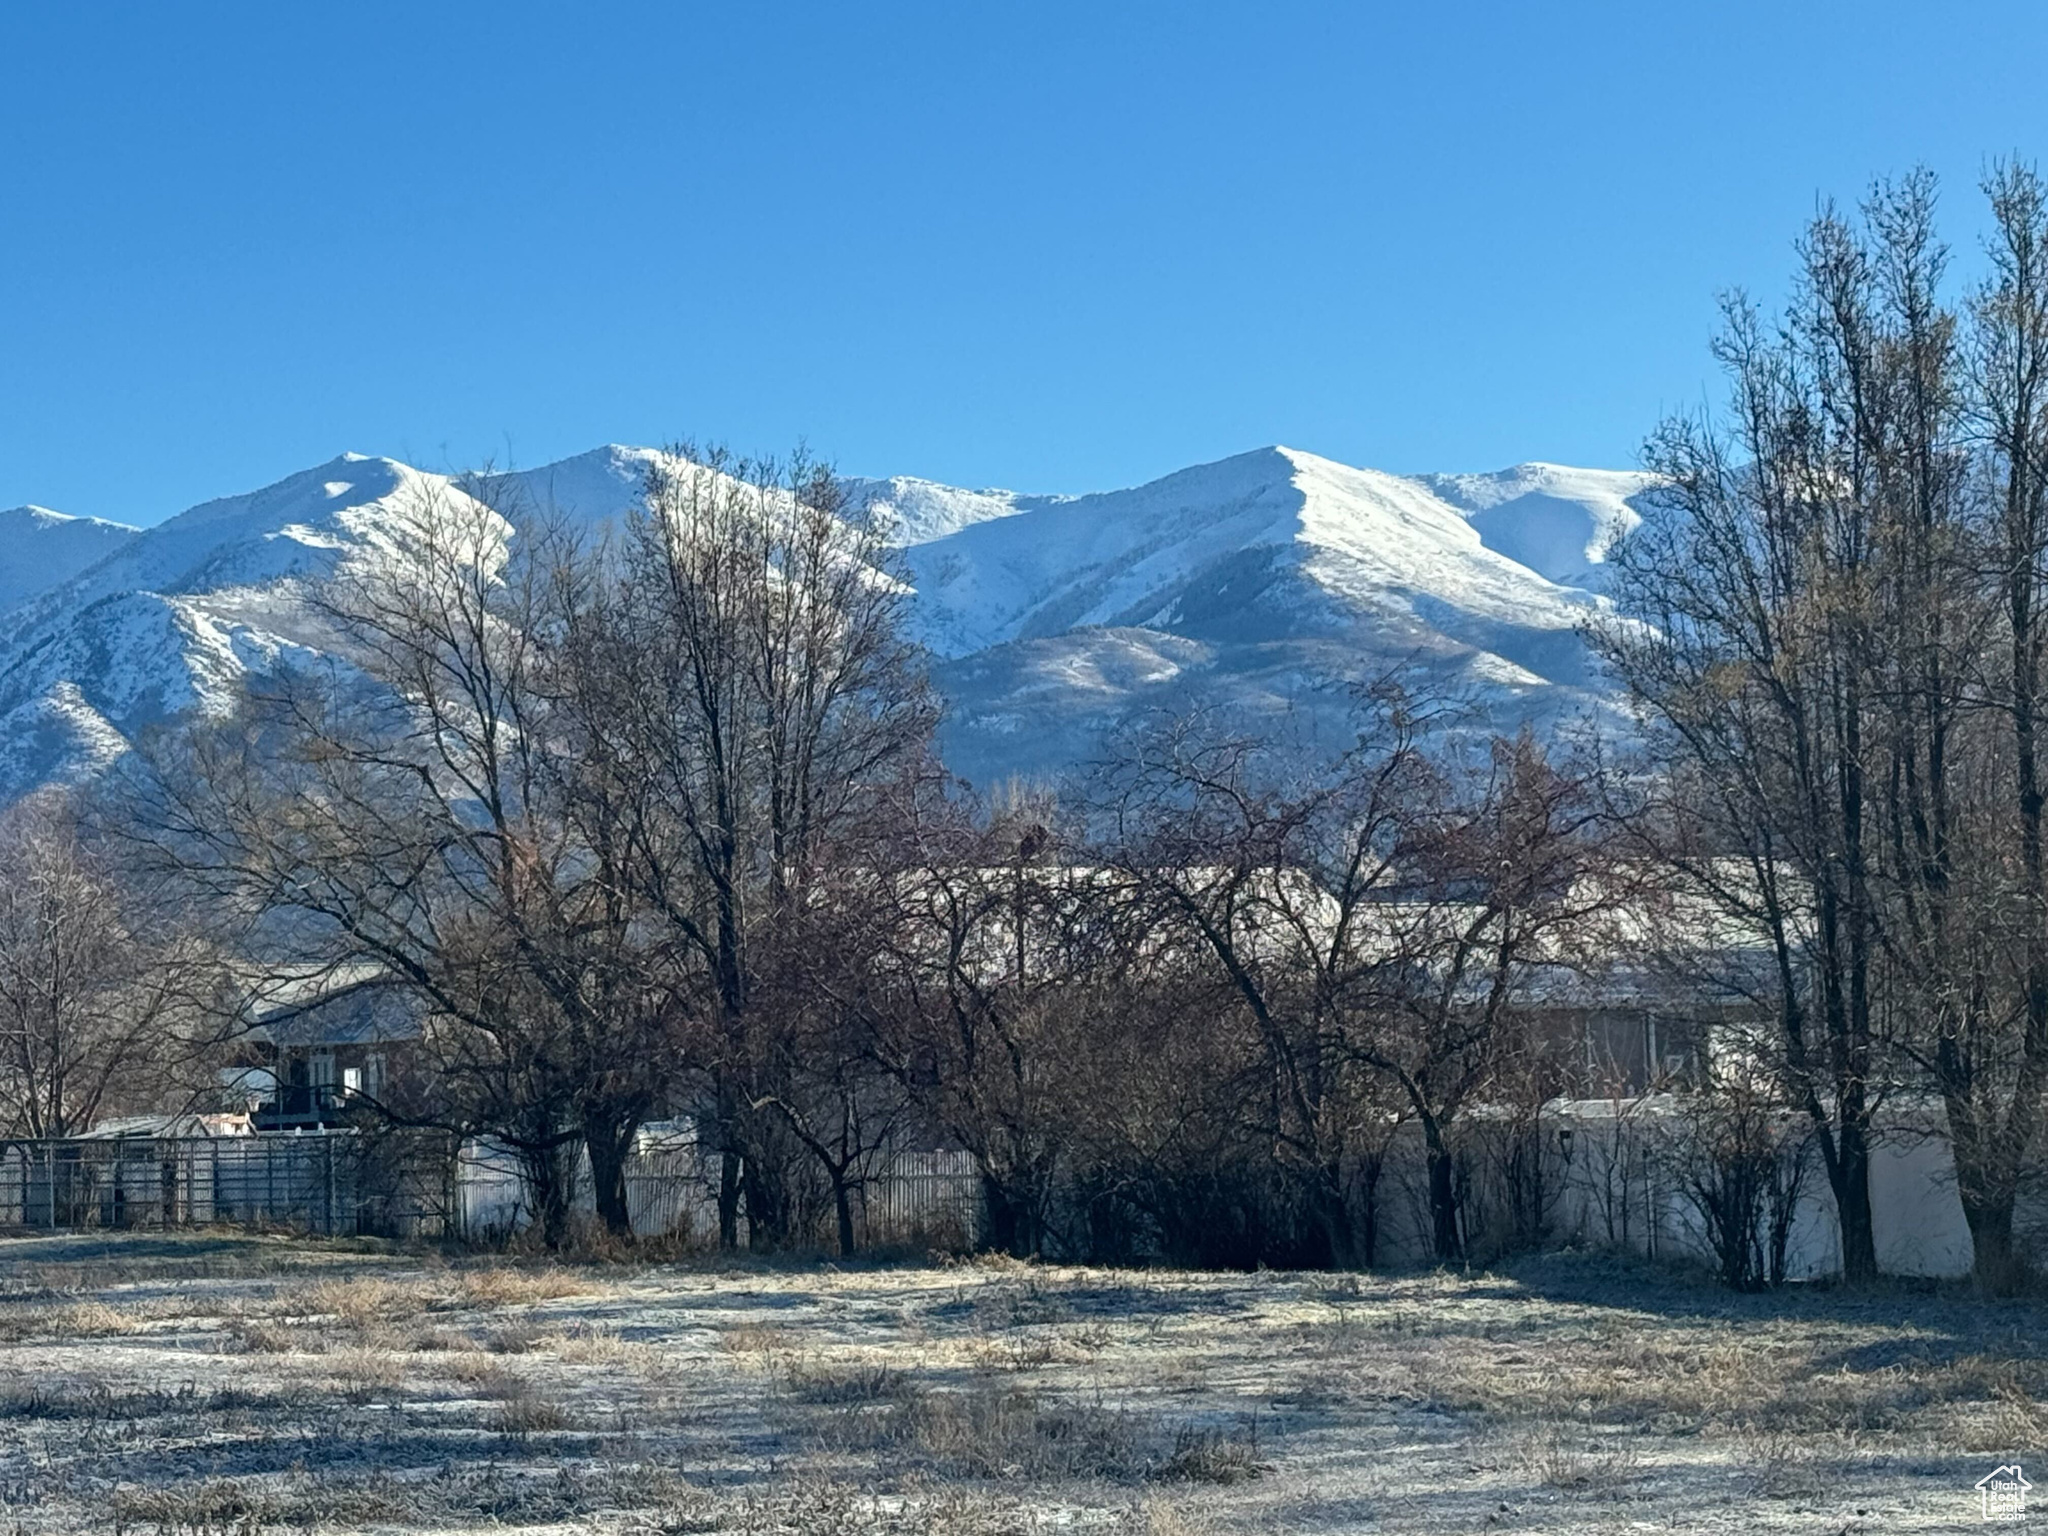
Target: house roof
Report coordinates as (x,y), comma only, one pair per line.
(355,1003)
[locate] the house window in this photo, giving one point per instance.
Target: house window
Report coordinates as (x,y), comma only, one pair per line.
(373,1074)
(351,1081)
(323,1069)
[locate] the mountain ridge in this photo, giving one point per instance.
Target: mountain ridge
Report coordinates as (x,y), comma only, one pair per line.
(45,548)
(1263,584)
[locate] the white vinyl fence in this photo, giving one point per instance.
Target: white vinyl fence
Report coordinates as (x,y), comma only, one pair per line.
(923,1198)
(1619,1191)
(1597,1173)
(1604,1173)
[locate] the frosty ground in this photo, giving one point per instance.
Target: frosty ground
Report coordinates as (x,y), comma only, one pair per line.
(210,1383)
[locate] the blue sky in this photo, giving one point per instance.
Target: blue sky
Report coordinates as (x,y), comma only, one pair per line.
(1051,246)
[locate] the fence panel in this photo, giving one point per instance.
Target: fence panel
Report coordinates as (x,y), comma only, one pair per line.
(931,1198)
(331,1182)
(924,1198)
(341,1182)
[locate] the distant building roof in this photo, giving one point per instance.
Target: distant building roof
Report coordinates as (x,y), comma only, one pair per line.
(356,1003)
(133,1127)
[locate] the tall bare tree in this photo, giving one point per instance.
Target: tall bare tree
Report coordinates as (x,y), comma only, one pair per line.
(1989,1052)
(1752,596)
(763,702)
(1833,620)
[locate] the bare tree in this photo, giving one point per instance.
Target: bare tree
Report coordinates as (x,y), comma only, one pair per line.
(1277,887)
(762,701)
(996,943)
(425,802)
(1752,600)
(1989,1056)
(105,1000)
(1378,925)
(1739,1158)
(818,1052)
(1511,881)
(1833,620)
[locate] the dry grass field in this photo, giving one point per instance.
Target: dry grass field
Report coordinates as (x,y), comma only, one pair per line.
(225,1384)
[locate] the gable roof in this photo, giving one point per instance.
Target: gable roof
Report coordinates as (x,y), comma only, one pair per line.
(351,1004)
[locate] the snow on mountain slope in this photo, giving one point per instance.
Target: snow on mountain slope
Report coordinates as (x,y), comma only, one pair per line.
(40,549)
(54,738)
(595,487)
(1200,551)
(1264,585)
(918,511)
(177,615)
(602,485)
(1558,521)
(296,529)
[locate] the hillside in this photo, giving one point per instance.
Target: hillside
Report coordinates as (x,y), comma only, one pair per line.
(1261,586)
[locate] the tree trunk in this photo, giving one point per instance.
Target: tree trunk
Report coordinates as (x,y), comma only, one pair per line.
(1334,1212)
(551,1182)
(1850,1173)
(1996,1265)
(766,1188)
(1009,1222)
(730,1169)
(1443,1196)
(1369,1216)
(608,1144)
(842,1197)
(1989,1157)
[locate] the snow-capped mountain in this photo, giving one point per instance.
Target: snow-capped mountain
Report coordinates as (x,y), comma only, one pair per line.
(913,511)
(591,488)
(41,549)
(599,486)
(175,616)
(1261,584)
(1264,545)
